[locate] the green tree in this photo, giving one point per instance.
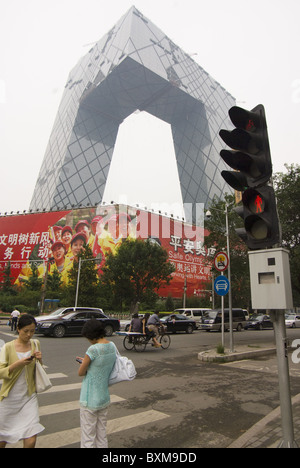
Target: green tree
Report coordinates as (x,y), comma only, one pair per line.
(88,294)
(287,187)
(34,283)
(137,270)
(6,280)
(54,281)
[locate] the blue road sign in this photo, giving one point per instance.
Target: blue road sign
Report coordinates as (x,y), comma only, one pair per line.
(222,285)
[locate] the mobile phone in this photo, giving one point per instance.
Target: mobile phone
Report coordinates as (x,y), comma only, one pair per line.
(79,360)
(30,358)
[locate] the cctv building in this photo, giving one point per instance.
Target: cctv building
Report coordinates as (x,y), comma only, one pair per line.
(134,67)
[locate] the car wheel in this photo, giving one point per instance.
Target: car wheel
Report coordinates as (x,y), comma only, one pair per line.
(239,327)
(189,329)
(108,330)
(59,331)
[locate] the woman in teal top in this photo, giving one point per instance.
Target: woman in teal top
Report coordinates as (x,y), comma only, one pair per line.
(96,368)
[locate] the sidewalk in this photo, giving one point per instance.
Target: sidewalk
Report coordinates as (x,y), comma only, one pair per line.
(266,433)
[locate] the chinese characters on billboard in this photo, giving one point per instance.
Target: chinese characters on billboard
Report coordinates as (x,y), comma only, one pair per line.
(52,240)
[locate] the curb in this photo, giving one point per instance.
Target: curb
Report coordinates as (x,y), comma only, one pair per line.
(213,356)
(260,425)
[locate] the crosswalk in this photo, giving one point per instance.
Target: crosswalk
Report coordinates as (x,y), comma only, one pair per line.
(65,438)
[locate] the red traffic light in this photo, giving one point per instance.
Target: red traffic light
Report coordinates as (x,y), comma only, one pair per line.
(260,216)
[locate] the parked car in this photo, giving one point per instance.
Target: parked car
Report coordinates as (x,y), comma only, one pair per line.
(177,323)
(73,322)
(194,314)
(259,322)
(212,320)
(292,321)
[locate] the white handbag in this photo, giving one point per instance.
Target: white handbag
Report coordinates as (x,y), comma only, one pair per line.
(123,370)
(42,381)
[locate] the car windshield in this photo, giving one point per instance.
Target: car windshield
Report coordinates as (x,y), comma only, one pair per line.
(256,318)
(211,314)
(57,312)
(290,317)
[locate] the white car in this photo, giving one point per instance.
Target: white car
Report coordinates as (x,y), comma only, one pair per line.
(125,324)
(292,321)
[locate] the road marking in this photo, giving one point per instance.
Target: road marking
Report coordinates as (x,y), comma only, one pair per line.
(72,436)
(134,420)
(64,388)
(8,334)
(69,406)
(57,375)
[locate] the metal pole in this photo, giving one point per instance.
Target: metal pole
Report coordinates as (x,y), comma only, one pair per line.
(229,278)
(184,289)
(213,290)
(223,317)
(278,319)
(78,279)
(44,290)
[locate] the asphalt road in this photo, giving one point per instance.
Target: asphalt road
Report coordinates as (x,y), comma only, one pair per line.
(176,401)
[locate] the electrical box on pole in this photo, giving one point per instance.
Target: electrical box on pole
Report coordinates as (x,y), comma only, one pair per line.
(270,279)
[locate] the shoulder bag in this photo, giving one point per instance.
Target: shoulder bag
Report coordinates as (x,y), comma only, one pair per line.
(123,370)
(42,381)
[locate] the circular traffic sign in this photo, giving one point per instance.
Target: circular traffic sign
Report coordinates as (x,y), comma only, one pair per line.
(221,285)
(221,261)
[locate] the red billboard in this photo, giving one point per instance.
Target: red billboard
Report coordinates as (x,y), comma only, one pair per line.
(52,240)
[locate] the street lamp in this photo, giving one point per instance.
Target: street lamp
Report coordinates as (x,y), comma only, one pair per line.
(208,215)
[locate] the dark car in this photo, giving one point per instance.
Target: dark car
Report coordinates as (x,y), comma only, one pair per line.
(72,323)
(179,323)
(259,322)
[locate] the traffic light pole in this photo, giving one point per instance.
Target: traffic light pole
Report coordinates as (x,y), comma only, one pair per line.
(229,277)
(278,319)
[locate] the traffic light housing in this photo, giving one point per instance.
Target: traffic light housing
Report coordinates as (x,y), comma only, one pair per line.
(259,212)
(252,156)
(252,164)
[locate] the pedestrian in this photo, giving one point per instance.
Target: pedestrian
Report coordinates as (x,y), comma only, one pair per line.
(19,416)
(95,367)
(14,319)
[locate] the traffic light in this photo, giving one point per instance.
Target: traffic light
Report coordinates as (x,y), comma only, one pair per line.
(252,158)
(252,164)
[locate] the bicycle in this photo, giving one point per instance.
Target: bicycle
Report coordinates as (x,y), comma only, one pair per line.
(139,341)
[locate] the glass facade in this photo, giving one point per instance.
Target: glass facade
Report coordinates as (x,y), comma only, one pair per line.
(134,67)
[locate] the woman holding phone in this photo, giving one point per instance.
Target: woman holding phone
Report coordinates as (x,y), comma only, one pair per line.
(95,367)
(19,417)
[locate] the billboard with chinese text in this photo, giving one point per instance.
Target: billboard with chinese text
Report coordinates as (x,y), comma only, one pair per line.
(52,241)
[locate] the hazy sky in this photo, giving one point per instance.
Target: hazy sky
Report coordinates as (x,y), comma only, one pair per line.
(251,48)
